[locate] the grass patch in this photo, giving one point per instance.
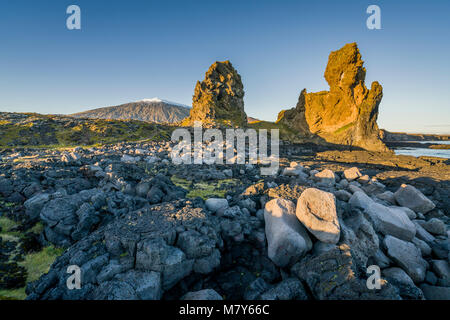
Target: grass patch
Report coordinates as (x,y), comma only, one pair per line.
(36,263)
(47,131)
(205,190)
(6,226)
(13,294)
(38,228)
(39,263)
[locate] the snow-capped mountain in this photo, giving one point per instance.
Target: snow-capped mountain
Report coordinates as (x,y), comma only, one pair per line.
(152,110)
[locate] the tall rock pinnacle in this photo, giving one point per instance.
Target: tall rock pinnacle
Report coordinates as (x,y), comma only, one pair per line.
(219,99)
(346,114)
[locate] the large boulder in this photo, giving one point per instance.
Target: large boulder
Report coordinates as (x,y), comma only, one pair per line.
(362,239)
(384,219)
(287,239)
(316,209)
(35,204)
(407,256)
(346,114)
(408,196)
(219,99)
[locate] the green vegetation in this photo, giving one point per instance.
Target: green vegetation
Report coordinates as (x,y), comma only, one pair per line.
(6,228)
(47,131)
(13,294)
(36,263)
(206,190)
(39,263)
(344,128)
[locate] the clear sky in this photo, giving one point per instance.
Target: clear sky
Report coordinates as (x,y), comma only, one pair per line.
(130,50)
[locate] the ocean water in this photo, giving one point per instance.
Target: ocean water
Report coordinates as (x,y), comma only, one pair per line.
(417,152)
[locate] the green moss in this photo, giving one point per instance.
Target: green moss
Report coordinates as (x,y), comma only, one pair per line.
(205,190)
(6,227)
(182,183)
(344,128)
(13,294)
(36,264)
(38,228)
(39,263)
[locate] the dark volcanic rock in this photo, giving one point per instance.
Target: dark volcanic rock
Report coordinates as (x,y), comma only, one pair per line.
(143,253)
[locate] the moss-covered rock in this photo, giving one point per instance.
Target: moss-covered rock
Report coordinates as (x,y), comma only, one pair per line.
(345,115)
(219,99)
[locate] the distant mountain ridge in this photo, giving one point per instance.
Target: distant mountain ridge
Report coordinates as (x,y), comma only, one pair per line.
(150,110)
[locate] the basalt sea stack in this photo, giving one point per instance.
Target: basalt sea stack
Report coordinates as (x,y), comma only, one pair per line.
(219,99)
(345,115)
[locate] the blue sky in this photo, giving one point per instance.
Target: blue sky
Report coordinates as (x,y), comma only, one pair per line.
(130,50)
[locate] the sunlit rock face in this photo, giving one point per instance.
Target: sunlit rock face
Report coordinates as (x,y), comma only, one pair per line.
(347,113)
(219,99)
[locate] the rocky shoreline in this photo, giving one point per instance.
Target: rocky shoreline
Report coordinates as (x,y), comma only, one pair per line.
(141,227)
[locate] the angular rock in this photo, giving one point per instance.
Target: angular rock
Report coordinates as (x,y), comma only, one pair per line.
(407,256)
(385,220)
(316,209)
(287,239)
(381,260)
(405,285)
(352,174)
(325,178)
(374,187)
(35,204)
(411,214)
(435,226)
(214,204)
(388,196)
(360,236)
(441,269)
(147,285)
(422,233)
(408,196)
(423,246)
(360,200)
(156,255)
